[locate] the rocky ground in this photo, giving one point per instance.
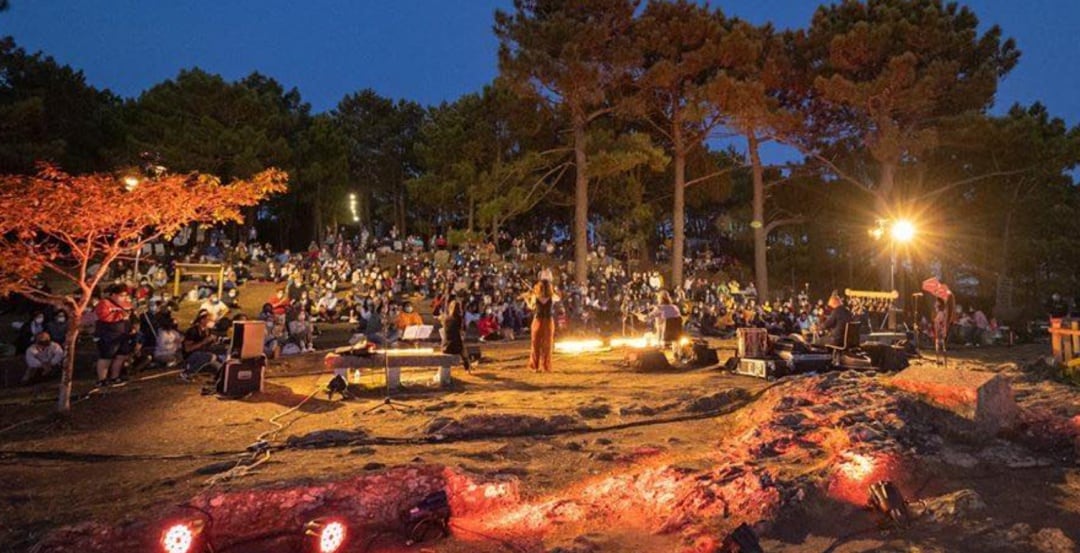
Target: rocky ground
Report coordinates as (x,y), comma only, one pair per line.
(591,458)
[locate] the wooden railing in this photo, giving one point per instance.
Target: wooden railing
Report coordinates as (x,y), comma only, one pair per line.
(1065,340)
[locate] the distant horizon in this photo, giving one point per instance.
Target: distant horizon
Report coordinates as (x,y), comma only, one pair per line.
(420,51)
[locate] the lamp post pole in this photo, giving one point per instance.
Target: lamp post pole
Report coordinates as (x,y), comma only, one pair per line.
(892,281)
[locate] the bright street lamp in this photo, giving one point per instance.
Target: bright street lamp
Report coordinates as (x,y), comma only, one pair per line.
(902,231)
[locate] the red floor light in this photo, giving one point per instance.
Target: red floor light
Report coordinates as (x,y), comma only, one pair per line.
(182,537)
(327,536)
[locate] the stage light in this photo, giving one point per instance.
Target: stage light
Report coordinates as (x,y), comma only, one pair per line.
(579,346)
(902,231)
(326,535)
(182,537)
(885,497)
(429,519)
(741,540)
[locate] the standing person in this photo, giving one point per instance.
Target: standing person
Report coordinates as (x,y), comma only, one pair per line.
(453,317)
(113,333)
(541,301)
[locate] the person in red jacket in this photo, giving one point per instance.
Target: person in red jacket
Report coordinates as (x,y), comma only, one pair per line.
(113,332)
(279,302)
(487,326)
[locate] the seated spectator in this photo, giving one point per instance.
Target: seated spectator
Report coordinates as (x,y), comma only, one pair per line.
(408,317)
(167,346)
(279,302)
(43,357)
(198,345)
(58,327)
(487,327)
(302,332)
(327,307)
(217,310)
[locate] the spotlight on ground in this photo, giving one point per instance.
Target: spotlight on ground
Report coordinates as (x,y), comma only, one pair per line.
(326,535)
(885,497)
(183,537)
(429,519)
(741,540)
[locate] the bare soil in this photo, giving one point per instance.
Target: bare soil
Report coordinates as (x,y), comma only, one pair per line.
(127,453)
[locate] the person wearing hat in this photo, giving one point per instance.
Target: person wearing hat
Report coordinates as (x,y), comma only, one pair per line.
(541,300)
(42,357)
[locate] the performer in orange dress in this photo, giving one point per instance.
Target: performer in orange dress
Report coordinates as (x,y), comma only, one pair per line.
(541,300)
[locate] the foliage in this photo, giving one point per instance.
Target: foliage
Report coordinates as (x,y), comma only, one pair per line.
(380,135)
(48,112)
(58,225)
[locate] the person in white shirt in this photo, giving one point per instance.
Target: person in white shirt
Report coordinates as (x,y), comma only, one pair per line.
(42,358)
(215,308)
(167,346)
(302,332)
(327,306)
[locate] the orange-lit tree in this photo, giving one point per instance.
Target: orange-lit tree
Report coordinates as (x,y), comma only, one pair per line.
(55,227)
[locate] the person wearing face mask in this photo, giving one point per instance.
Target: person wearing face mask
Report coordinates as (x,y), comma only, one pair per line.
(29,330)
(197,347)
(43,357)
(408,317)
(302,332)
(58,327)
(216,309)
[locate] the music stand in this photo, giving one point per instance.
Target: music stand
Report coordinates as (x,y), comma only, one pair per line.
(415,334)
(387,400)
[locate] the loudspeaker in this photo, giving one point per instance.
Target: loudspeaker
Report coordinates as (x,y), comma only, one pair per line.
(703,355)
(248,339)
(886,357)
(474,353)
(240,377)
(648,360)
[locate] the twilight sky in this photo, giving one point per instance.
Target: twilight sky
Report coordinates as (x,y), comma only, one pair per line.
(424,50)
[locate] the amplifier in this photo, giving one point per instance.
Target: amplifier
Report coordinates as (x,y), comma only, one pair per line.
(759,368)
(240,377)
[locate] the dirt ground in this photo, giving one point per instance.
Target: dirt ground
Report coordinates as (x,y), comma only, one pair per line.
(124,454)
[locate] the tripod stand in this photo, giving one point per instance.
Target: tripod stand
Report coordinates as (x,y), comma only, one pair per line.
(387,400)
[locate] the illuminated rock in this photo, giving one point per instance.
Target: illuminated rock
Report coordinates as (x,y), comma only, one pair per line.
(982,402)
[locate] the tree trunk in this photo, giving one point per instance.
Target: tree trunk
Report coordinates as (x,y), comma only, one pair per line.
(581,205)
(883,203)
(63,403)
(761,263)
(678,244)
(316,213)
(472,211)
(1003,271)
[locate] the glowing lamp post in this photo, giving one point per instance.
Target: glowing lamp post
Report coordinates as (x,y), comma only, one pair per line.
(899,231)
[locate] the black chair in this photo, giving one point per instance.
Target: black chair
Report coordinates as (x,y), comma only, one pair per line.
(672,334)
(850,341)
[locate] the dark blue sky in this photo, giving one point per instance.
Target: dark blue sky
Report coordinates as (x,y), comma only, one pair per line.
(424,50)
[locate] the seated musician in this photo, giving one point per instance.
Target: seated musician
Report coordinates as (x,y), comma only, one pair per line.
(839,317)
(664,310)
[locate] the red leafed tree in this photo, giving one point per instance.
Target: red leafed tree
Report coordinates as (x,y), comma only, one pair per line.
(55,227)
